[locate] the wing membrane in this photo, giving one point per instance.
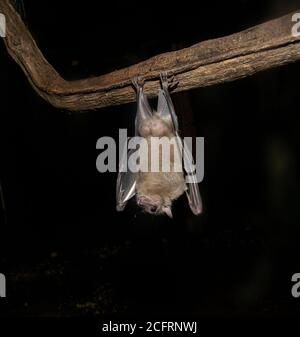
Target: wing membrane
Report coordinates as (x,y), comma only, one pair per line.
(126,181)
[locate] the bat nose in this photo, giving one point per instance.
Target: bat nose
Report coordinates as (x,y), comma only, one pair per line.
(153,209)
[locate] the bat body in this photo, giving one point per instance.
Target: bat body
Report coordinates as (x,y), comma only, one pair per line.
(155,191)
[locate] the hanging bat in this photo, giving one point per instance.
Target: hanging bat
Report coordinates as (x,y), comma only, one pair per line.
(155,191)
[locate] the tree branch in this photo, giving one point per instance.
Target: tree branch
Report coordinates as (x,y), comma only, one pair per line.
(229,58)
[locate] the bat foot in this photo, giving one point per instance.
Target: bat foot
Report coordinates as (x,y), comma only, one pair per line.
(168,81)
(138,82)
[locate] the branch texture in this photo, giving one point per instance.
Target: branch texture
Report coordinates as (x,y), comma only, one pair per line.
(229,58)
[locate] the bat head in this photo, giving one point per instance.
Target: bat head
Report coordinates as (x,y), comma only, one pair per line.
(154,205)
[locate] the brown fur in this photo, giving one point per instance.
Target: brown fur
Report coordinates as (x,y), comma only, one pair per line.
(158,189)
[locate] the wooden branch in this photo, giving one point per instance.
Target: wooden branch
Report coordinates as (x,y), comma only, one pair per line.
(206,63)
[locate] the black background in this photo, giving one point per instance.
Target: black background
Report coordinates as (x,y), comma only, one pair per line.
(66,251)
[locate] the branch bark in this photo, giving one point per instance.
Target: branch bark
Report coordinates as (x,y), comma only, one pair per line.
(229,58)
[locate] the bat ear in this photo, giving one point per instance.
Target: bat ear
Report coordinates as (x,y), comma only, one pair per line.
(168,211)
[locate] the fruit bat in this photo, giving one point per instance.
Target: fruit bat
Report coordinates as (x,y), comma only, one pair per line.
(155,191)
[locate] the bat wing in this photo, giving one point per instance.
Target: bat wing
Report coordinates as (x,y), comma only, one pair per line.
(144,110)
(165,105)
(166,109)
(192,191)
(126,181)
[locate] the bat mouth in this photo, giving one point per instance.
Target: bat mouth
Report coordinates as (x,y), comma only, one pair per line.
(148,204)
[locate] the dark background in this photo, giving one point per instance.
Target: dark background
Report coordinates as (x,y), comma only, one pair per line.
(66,251)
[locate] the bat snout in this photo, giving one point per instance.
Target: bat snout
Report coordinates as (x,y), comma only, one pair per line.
(149,204)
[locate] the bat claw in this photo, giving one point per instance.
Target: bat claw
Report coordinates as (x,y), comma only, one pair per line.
(138,82)
(168,81)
